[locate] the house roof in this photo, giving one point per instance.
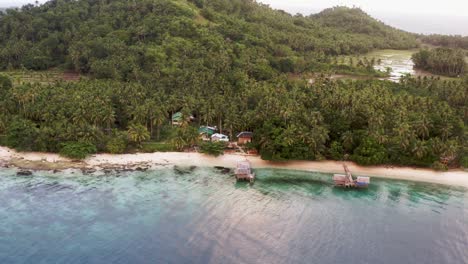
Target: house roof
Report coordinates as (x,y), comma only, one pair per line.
(245,134)
(177,116)
(207,130)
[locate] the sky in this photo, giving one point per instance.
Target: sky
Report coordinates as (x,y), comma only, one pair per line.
(416,7)
(420,16)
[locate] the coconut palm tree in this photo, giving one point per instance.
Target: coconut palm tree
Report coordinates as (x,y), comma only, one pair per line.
(138,133)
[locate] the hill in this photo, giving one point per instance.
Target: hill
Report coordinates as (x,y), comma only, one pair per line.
(77,34)
(460,42)
(356,21)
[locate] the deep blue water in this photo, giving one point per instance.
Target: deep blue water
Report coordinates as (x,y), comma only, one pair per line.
(205,217)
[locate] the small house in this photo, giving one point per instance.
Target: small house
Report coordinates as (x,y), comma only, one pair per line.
(177,119)
(206,132)
(244,138)
(219,138)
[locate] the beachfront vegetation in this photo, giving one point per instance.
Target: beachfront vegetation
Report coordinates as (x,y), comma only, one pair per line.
(213,148)
(443,61)
(77,150)
(415,122)
(226,63)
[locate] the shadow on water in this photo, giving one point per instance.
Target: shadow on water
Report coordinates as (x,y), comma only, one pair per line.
(273,182)
(430,193)
(311,184)
(373,192)
(395,192)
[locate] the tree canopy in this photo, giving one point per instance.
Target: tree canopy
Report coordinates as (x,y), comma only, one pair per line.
(226,64)
(131,40)
(443,61)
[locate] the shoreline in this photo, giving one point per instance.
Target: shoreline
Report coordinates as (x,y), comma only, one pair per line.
(144,161)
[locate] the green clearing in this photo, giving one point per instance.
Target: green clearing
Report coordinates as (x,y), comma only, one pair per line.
(398,60)
(20,77)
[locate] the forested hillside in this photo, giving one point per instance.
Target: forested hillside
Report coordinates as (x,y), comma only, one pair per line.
(117,39)
(224,62)
(356,21)
(459,42)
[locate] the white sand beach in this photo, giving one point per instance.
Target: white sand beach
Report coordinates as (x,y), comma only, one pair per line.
(452,177)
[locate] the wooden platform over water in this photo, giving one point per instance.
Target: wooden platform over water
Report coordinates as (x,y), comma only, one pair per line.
(244,171)
(347,180)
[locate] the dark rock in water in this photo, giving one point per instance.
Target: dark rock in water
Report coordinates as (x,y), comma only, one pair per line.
(24,173)
(106,171)
(88,171)
(141,169)
(223,170)
(181,170)
(56,171)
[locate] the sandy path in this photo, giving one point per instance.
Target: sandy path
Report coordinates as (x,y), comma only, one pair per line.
(453,177)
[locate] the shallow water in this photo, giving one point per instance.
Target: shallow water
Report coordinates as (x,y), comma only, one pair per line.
(206,217)
(398,60)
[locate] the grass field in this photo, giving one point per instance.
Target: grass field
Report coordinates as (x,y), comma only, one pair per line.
(44,77)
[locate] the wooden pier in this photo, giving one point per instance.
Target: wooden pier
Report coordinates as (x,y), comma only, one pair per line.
(244,171)
(347,180)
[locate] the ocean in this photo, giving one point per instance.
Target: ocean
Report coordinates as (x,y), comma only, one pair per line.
(204,216)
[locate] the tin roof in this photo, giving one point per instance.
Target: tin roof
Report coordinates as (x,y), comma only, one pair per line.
(245,134)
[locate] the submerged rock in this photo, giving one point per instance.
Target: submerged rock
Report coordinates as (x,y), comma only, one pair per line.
(184,170)
(88,171)
(141,169)
(223,170)
(24,173)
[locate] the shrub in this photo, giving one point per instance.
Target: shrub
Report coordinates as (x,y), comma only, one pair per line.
(21,134)
(369,152)
(464,162)
(185,137)
(437,165)
(212,148)
(116,145)
(150,147)
(77,150)
(5,82)
(336,151)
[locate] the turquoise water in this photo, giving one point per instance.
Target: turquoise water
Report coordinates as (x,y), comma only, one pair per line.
(206,217)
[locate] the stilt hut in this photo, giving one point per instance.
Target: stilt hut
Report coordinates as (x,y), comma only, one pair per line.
(244,171)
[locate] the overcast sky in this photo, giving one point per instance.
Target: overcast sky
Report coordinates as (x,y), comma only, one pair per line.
(422,16)
(418,7)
